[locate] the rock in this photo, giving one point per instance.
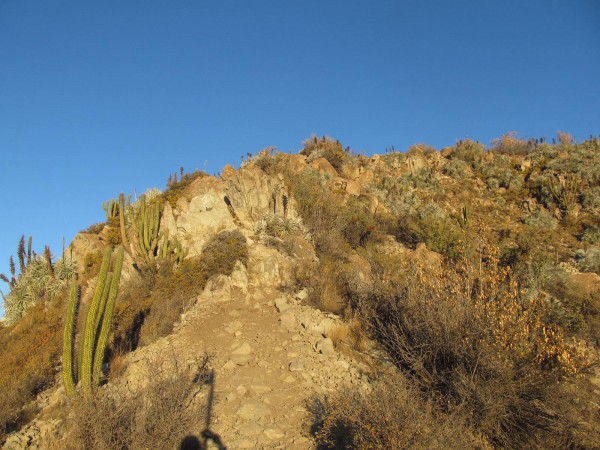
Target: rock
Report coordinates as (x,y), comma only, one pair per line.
(251,409)
(322,165)
(297,365)
(325,346)
(206,216)
(288,321)
(229,365)
(239,277)
(302,294)
(242,354)
(234,326)
(281,304)
(274,433)
(243,443)
(260,388)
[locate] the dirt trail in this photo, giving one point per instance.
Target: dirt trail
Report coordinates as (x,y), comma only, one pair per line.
(270,355)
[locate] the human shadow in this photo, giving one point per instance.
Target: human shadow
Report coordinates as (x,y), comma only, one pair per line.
(191,442)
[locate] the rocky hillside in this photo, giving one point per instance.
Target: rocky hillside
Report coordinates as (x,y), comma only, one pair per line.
(430,299)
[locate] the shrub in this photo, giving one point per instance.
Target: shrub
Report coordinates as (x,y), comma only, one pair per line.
(475,346)
(278,226)
(95,228)
(588,260)
(327,148)
(392,415)
(175,188)
(510,144)
(470,152)
(160,415)
(29,354)
(176,289)
(541,218)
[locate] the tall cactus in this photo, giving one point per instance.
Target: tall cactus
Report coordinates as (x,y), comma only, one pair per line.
(122,221)
(68,338)
(147,226)
(97,323)
(109,308)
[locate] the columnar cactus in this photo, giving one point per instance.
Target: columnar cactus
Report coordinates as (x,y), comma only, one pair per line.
(147,225)
(107,315)
(97,324)
(122,220)
(68,338)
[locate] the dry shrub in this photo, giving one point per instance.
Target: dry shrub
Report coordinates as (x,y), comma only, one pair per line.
(480,350)
(176,188)
(29,353)
(391,416)
(160,415)
(177,288)
(327,148)
(510,144)
(349,335)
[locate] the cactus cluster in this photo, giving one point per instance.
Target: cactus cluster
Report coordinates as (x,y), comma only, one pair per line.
(565,191)
(147,228)
(111,208)
(97,325)
(171,249)
(140,230)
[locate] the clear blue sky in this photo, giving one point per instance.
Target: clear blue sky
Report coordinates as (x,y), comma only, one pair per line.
(102,97)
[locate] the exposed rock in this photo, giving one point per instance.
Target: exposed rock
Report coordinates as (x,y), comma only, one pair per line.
(325,346)
(206,216)
(252,409)
(322,165)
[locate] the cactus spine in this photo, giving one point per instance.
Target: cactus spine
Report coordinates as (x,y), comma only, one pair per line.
(68,338)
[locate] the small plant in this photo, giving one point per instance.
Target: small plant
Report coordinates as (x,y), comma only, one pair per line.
(40,279)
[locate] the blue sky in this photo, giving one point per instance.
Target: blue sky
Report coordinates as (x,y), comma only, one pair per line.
(102,97)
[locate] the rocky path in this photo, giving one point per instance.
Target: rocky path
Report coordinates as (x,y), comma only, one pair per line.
(270,354)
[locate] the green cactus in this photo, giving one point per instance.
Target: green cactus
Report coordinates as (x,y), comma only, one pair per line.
(122,224)
(98,321)
(147,225)
(171,249)
(566,191)
(109,307)
(111,208)
(68,338)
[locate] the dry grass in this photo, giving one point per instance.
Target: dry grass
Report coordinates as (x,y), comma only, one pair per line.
(391,416)
(29,354)
(349,335)
(160,415)
(481,351)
